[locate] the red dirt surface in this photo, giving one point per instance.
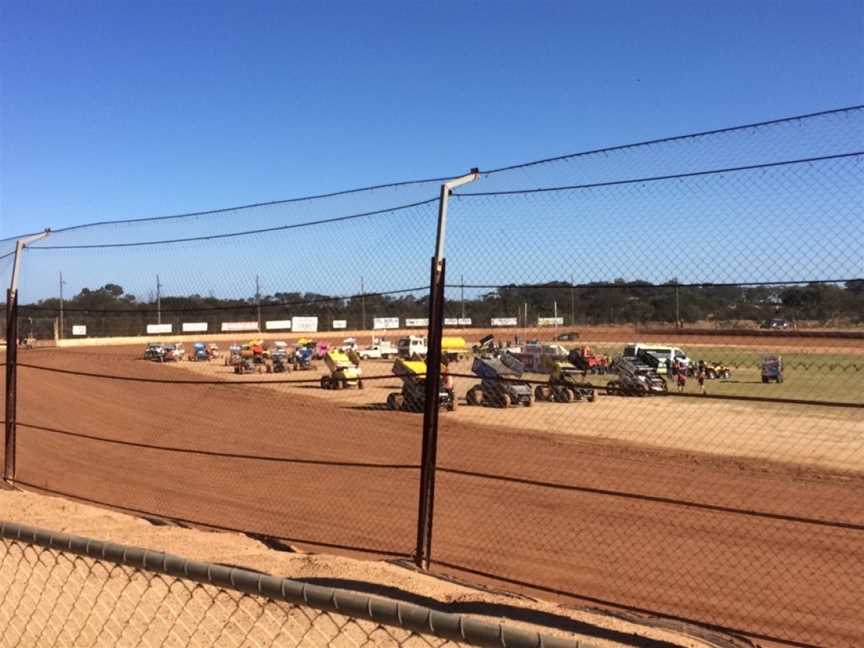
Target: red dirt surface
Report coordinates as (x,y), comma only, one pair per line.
(668,532)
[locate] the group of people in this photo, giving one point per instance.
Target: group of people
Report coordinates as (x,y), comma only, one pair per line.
(679,372)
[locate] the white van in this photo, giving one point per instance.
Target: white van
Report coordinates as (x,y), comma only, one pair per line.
(662,353)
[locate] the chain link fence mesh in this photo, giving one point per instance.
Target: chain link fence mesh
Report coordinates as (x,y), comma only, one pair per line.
(106,595)
(696,258)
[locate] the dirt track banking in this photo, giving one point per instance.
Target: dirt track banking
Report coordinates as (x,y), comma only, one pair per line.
(776,549)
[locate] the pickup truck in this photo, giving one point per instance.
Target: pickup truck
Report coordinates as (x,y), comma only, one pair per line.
(375,351)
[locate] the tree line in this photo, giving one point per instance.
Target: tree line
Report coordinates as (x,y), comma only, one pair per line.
(109,310)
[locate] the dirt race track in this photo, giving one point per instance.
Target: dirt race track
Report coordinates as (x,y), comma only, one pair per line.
(633,503)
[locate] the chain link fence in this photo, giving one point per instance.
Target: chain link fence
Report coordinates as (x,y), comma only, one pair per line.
(64,590)
(667,414)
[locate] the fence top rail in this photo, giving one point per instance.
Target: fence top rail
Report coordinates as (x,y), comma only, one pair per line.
(419,619)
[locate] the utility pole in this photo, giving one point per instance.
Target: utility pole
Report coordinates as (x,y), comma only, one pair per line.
(572,301)
(555,313)
(61,305)
(525,318)
(677,309)
(158,301)
(258,300)
(462,295)
(363,303)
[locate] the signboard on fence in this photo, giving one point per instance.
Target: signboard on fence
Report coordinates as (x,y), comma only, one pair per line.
(340,324)
(504,321)
(194,327)
(304,324)
(278,325)
(79,329)
(159,328)
(550,321)
(457,321)
(239,326)
(385,323)
(417,322)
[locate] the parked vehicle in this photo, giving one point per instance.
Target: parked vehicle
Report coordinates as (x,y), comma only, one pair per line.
(248,362)
(171,353)
(564,385)
(279,361)
(415,347)
(383,349)
(586,361)
(200,353)
(635,379)
(343,372)
(772,368)
(154,351)
(539,357)
(567,336)
(321,349)
(500,385)
(233,357)
(303,359)
(646,351)
(776,323)
(413,395)
(713,370)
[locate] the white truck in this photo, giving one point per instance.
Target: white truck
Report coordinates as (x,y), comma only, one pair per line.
(412,347)
(381,349)
(416,347)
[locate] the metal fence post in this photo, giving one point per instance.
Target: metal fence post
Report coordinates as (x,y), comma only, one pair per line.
(11,381)
(423,550)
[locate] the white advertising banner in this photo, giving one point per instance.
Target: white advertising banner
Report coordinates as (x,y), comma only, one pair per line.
(278,325)
(239,326)
(340,324)
(79,329)
(304,324)
(158,328)
(550,321)
(451,321)
(385,323)
(505,321)
(194,327)
(417,322)
(464,321)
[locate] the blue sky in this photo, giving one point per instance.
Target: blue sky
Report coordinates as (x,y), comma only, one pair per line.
(124,110)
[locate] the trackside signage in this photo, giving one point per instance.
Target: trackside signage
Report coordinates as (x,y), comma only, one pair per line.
(385,323)
(417,322)
(457,321)
(159,328)
(239,326)
(278,325)
(550,321)
(304,324)
(194,327)
(504,321)
(340,324)
(79,329)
